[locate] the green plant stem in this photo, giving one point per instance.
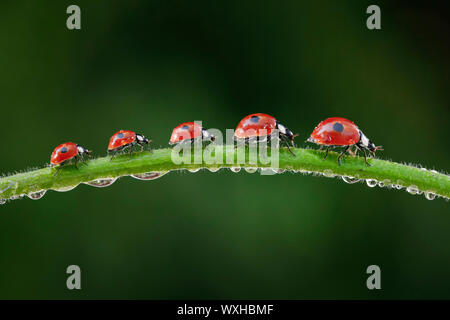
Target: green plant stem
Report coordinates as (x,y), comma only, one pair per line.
(20,184)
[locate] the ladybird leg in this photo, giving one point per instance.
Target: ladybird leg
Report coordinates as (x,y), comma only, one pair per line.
(131,150)
(287,145)
(341,154)
(365,156)
(57,171)
(75,162)
(365,159)
(113,154)
(326,153)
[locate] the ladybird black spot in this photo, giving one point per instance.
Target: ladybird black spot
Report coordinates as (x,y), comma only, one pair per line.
(120,135)
(338,127)
(63,150)
(254,119)
(185,127)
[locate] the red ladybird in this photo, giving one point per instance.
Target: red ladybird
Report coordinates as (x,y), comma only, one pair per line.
(338,132)
(126,139)
(261,125)
(189,131)
(66,152)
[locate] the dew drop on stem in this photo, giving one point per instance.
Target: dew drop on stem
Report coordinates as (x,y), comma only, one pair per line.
(251,169)
(149,175)
(350,180)
(65,189)
(235,169)
(371,182)
(430,195)
(412,189)
(36,195)
(101,183)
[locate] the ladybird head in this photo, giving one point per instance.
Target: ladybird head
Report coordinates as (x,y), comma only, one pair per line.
(372,148)
(366,143)
(286,132)
(83,150)
(206,135)
(141,139)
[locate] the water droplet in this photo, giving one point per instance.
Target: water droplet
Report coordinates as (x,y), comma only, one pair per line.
(398,187)
(384,183)
(350,179)
(430,195)
(36,195)
(65,189)
(235,169)
(251,169)
(268,171)
(101,183)
(213,169)
(280,171)
(149,175)
(194,170)
(2,201)
(412,189)
(434,171)
(371,182)
(328,173)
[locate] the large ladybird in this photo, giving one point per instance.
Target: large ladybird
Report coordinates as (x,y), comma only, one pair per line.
(188,131)
(126,139)
(341,132)
(261,125)
(67,152)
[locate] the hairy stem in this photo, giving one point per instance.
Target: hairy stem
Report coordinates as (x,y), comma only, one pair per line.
(306,160)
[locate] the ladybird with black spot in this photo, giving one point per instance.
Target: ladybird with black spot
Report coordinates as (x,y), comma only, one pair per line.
(126,139)
(341,132)
(188,132)
(260,126)
(66,153)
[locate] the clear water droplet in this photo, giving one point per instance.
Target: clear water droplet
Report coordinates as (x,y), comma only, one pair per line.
(65,189)
(2,201)
(412,189)
(328,173)
(149,175)
(101,183)
(36,195)
(268,171)
(430,195)
(350,180)
(371,182)
(398,187)
(251,169)
(213,169)
(384,183)
(235,169)
(194,170)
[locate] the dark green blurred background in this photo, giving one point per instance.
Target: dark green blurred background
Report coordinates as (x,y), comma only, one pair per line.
(150,65)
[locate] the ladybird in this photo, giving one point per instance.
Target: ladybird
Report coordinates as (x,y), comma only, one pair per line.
(126,139)
(261,125)
(67,152)
(189,131)
(341,132)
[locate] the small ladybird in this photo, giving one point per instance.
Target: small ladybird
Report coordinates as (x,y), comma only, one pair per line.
(126,139)
(340,132)
(67,152)
(261,125)
(188,132)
